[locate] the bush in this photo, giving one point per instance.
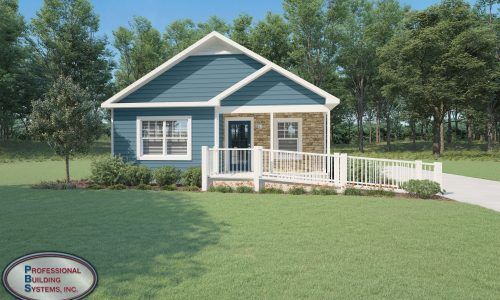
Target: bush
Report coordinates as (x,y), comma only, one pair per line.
(221,189)
(380,193)
(170,187)
(108,171)
(167,175)
(95,186)
(191,176)
(189,188)
(272,190)
(421,188)
(324,191)
(118,186)
(353,192)
(244,189)
(55,185)
(296,190)
(143,186)
(135,175)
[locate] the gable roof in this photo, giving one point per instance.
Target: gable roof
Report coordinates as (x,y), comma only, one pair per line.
(213,43)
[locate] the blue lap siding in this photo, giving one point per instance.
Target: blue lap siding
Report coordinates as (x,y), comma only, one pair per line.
(125,132)
(197,78)
(273,88)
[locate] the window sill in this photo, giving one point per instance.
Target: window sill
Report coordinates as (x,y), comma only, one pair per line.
(166,158)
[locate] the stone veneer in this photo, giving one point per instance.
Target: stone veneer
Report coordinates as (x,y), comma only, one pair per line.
(312,129)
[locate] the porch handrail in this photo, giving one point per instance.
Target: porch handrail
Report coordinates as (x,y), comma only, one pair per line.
(336,169)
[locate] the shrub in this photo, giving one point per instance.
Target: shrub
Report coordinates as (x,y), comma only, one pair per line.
(221,189)
(135,175)
(55,185)
(421,188)
(272,190)
(191,176)
(118,186)
(380,193)
(324,191)
(353,192)
(189,188)
(244,189)
(95,186)
(108,171)
(296,190)
(167,175)
(169,187)
(143,186)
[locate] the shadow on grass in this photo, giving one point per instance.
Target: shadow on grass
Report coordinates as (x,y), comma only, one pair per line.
(139,242)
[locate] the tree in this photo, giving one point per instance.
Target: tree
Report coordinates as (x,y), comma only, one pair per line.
(141,50)
(240,31)
(213,23)
(12,56)
(179,35)
(67,119)
(356,57)
(271,39)
(64,36)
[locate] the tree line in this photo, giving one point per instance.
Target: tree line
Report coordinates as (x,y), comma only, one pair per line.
(428,74)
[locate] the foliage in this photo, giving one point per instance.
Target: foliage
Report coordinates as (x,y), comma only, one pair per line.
(167,175)
(379,193)
(108,171)
(353,192)
(191,176)
(221,189)
(95,186)
(169,187)
(296,190)
(189,188)
(272,190)
(66,119)
(421,188)
(55,185)
(118,186)
(324,191)
(144,187)
(244,189)
(135,175)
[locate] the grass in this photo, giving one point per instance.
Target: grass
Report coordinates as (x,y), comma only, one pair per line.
(460,158)
(176,245)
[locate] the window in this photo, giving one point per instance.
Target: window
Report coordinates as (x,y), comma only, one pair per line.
(288,134)
(164,138)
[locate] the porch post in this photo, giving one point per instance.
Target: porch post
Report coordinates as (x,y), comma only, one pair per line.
(271,142)
(257,167)
(204,168)
(112,132)
(216,127)
(336,169)
(343,169)
(329,136)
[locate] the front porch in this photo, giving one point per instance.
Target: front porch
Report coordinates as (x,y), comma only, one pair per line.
(299,131)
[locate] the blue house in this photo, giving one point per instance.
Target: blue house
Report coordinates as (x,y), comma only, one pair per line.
(217,93)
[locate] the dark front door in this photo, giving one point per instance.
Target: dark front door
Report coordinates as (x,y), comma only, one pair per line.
(240,138)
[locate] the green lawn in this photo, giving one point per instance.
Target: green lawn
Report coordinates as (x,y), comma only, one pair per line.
(479,169)
(178,245)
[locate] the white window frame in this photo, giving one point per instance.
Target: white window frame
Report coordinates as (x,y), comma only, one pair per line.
(299,134)
(139,150)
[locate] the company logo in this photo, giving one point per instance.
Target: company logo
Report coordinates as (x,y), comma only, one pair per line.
(49,275)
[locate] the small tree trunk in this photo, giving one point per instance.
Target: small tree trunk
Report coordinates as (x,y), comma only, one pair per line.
(388,131)
(468,125)
(360,113)
(449,132)
(377,130)
(413,133)
(489,129)
(441,138)
(67,168)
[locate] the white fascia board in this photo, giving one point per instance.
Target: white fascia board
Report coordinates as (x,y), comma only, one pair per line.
(157,104)
(272,109)
(157,71)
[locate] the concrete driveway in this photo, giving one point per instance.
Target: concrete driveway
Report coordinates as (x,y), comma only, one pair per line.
(482,192)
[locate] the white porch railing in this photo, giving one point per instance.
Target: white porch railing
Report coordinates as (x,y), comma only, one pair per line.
(337,169)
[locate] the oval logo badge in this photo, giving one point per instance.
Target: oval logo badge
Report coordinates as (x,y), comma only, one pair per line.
(50,276)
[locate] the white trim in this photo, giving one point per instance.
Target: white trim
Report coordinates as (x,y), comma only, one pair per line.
(226,126)
(299,135)
(272,108)
(271,131)
(140,156)
(216,127)
(112,132)
(158,104)
(330,100)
